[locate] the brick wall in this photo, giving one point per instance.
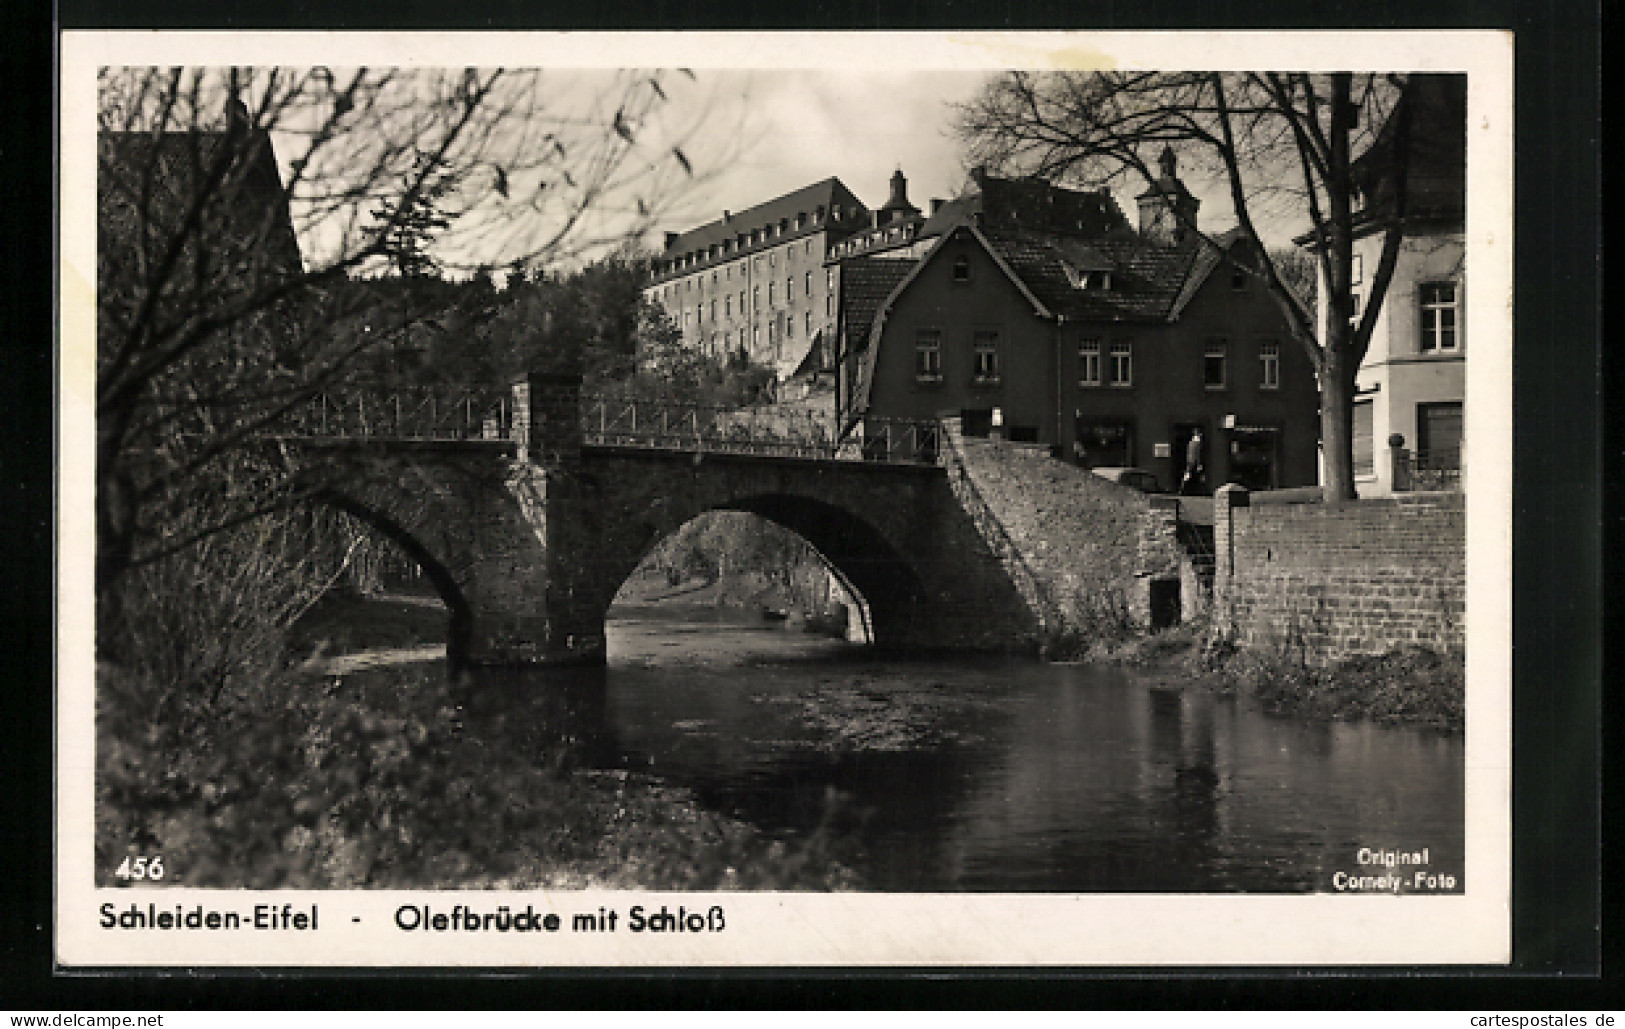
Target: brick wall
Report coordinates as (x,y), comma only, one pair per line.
(1340,579)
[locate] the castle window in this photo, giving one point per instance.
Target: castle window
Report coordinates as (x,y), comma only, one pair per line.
(1089,362)
(928,355)
(1213,363)
(1269,364)
(1439,317)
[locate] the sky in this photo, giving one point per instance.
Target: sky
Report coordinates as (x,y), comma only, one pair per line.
(797,127)
(746,136)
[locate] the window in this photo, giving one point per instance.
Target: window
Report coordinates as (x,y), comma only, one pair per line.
(756,298)
(728,305)
(741,302)
(789,289)
(829,305)
(770,258)
(755,336)
(713,310)
(961,268)
(807,285)
(985,356)
(829,279)
(928,355)
(1122,366)
(1269,364)
(1089,362)
(1104,444)
(713,280)
(806,324)
(1438,436)
(1238,279)
(770,294)
(1213,360)
(1439,317)
(790,327)
(1357,270)
(1364,438)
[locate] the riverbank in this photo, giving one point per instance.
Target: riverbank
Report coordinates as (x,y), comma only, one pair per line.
(1410,686)
(378,781)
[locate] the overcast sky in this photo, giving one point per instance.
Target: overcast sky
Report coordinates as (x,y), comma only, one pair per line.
(794,128)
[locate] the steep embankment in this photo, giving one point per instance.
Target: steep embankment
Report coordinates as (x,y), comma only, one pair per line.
(1080,548)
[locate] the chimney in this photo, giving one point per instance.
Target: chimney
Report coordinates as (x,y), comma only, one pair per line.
(936,204)
(727,216)
(671,240)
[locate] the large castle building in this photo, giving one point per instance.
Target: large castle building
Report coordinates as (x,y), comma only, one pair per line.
(755,281)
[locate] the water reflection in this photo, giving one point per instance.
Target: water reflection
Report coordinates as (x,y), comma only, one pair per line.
(992,775)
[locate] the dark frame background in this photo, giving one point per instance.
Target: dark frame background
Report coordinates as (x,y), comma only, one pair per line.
(1561,377)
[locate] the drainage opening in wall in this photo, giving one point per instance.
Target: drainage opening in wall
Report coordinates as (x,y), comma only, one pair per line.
(1164,603)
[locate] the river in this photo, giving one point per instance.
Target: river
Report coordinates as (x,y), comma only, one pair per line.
(1007,775)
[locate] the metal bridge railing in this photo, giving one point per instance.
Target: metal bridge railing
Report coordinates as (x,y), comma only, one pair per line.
(407,413)
(766,431)
(447,412)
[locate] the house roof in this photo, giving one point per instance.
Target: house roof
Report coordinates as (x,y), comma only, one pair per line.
(1436,165)
(826,193)
(866,282)
(1150,282)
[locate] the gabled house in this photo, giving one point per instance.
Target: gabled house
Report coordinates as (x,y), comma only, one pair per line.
(1410,386)
(1109,346)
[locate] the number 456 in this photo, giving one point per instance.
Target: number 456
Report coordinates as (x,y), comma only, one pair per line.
(140,868)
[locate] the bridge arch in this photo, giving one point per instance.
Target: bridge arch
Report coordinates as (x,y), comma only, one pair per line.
(867,566)
(460,624)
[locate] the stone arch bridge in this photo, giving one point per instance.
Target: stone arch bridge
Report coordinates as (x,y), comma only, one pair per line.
(530,511)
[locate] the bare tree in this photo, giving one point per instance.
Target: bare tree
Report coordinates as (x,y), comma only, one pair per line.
(1283,145)
(236,206)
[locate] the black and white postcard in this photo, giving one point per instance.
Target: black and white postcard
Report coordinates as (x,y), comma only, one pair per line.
(784,499)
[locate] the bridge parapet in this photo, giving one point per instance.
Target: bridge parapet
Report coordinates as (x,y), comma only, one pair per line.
(439,412)
(551,419)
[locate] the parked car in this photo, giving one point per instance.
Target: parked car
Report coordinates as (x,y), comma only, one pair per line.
(1133,478)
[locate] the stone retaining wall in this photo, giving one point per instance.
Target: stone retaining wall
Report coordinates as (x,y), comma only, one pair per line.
(1335,580)
(1084,552)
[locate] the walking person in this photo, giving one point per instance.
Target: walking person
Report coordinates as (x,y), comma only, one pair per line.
(1191,484)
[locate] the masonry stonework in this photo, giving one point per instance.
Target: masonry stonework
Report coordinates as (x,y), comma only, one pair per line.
(1336,580)
(1090,549)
